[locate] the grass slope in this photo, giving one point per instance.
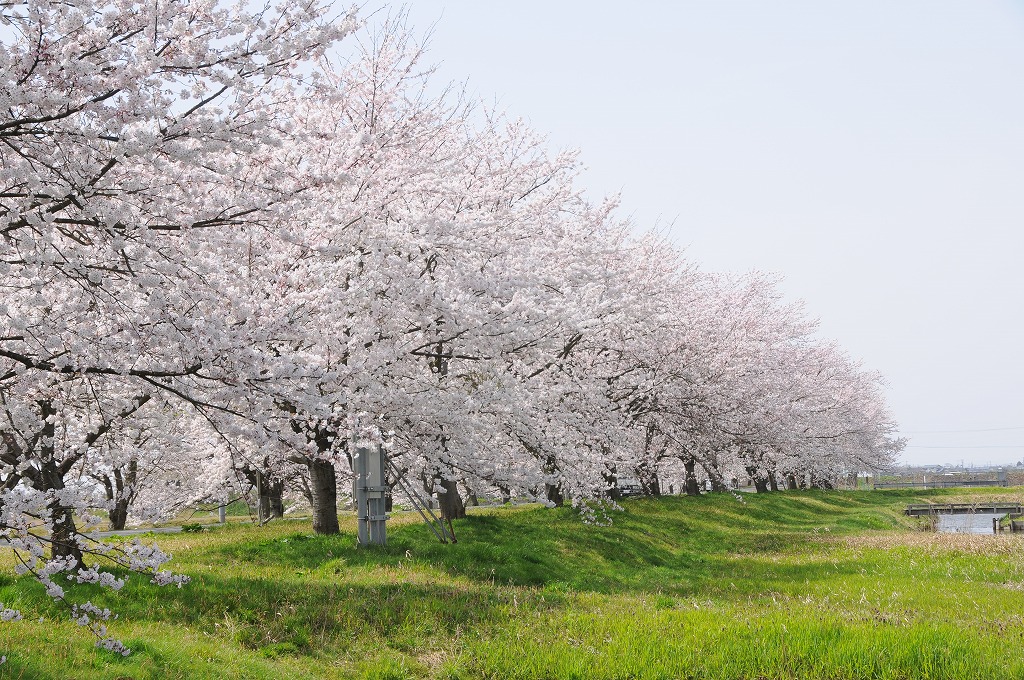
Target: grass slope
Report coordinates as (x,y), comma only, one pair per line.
(789,585)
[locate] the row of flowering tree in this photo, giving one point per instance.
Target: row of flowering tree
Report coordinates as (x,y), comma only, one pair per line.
(223,255)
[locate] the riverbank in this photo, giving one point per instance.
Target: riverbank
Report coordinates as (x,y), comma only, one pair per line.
(787,585)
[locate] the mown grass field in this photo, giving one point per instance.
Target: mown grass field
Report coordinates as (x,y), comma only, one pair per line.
(789,585)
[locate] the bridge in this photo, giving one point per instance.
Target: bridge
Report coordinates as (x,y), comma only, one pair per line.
(942,484)
(919,509)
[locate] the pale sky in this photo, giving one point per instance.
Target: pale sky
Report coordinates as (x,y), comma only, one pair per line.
(871,152)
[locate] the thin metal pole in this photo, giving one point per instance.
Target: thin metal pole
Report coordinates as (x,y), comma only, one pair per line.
(420,505)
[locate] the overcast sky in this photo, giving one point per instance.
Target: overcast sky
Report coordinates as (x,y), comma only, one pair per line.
(870,152)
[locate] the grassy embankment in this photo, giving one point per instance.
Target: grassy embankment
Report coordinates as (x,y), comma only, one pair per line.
(792,585)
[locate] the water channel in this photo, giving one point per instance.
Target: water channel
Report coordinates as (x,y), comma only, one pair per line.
(970,523)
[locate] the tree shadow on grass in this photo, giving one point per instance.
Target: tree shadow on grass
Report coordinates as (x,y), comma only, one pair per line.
(673,545)
(281,615)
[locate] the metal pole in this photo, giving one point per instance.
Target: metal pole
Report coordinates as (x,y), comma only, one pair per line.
(421,505)
(259,498)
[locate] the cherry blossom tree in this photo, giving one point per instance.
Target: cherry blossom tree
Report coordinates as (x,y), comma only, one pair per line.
(120,133)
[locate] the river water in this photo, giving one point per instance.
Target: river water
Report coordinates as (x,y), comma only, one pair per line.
(977,523)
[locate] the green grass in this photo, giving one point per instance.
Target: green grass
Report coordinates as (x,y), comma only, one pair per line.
(790,585)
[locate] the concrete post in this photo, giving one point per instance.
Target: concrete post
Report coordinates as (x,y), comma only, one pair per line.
(369,463)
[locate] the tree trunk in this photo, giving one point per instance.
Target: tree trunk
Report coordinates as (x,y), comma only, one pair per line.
(553,492)
(760,483)
(648,477)
(63,543)
(269,493)
(714,474)
(791,482)
(305,487)
(450,502)
(553,489)
(118,516)
(691,489)
(64,533)
(263,513)
(276,498)
(654,487)
(821,483)
(125,491)
(611,477)
(773,482)
(323,483)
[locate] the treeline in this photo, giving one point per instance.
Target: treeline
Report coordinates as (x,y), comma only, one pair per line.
(223,261)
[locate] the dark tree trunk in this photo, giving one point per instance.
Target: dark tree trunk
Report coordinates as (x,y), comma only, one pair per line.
(611,478)
(714,474)
(471,498)
(323,479)
(305,488)
(820,483)
(553,492)
(324,487)
(450,501)
(118,516)
(553,489)
(264,508)
(648,477)
(654,487)
(121,493)
(773,481)
(51,478)
(64,530)
(64,533)
(760,483)
(506,494)
(791,482)
(270,495)
(276,498)
(691,488)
